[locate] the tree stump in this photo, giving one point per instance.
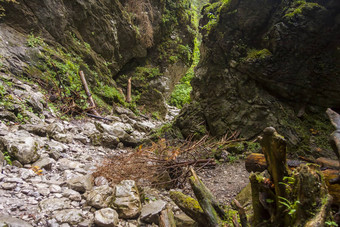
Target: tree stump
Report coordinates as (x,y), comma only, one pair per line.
(280,197)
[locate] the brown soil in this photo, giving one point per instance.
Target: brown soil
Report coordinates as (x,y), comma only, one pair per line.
(225,181)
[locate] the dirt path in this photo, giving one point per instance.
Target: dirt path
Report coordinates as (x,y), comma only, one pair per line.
(225,181)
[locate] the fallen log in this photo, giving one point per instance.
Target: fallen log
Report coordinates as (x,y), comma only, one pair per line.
(88,93)
(256,162)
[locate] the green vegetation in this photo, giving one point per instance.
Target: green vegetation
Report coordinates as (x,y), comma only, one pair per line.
(2,10)
(299,7)
(291,206)
(331,223)
(181,93)
(212,12)
(34,41)
(8,158)
(258,54)
(57,72)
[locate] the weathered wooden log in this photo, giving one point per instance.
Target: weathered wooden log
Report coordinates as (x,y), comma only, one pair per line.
(189,206)
(88,93)
(256,162)
(328,163)
(167,219)
(214,212)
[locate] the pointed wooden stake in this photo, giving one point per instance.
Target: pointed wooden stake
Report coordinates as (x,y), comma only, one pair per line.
(89,95)
(128,92)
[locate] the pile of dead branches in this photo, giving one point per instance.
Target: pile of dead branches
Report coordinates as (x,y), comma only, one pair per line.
(165,162)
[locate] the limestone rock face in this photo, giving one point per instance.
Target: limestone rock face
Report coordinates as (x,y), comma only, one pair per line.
(116,44)
(127,201)
(264,63)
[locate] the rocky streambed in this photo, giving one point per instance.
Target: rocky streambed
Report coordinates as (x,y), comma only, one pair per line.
(50,182)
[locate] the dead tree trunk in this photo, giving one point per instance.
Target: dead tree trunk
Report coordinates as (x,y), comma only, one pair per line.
(298,198)
(256,162)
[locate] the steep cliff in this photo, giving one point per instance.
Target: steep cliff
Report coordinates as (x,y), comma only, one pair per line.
(267,63)
(49,41)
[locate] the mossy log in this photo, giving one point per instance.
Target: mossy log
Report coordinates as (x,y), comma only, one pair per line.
(213,211)
(206,210)
(189,206)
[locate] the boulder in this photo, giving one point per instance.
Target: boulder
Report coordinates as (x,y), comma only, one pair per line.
(72,195)
(70,216)
(150,212)
(65,163)
(81,184)
(7,115)
(100,197)
(127,201)
(44,163)
(9,221)
(104,139)
(37,129)
(54,204)
(21,146)
(106,217)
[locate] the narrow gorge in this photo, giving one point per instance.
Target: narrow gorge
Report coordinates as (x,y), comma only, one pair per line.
(169,113)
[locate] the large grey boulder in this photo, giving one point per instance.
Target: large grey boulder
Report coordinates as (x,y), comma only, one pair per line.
(8,221)
(81,184)
(100,197)
(117,129)
(106,217)
(104,139)
(21,146)
(37,129)
(54,204)
(70,216)
(127,201)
